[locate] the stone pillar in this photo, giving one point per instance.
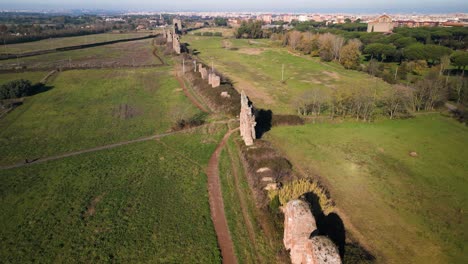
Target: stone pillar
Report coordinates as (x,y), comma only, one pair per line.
(204,73)
(215,81)
(299,224)
(247,121)
(210,78)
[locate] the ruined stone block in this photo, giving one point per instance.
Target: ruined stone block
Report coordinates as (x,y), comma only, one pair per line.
(204,73)
(210,77)
(225,95)
(215,81)
(299,224)
(247,120)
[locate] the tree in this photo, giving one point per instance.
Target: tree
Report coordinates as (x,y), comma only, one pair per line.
(16,89)
(326,47)
(426,52)
(250,29)
(294,39)
(460,59)
(396,101)
(350,54)
(444,64)
(337,44)
(380,51)
(220,21)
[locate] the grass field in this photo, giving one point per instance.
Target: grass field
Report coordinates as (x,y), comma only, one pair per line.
(145,202)
(34,77)
(120,54)
(406,209)
(255,66)
(54,43)
(250,242)
(88,108)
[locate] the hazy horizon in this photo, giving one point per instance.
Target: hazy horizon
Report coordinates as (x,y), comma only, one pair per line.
(297,6)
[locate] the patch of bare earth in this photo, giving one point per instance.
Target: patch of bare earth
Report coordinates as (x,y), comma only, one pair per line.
(251,51)
(333,75)
(254,93)
(91,208)
(125,111)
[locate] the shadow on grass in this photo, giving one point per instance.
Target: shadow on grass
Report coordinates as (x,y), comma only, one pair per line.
(40,88)
(263,118)
(333,227)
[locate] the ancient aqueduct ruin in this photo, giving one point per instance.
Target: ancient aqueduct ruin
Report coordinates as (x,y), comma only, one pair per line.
(300,227)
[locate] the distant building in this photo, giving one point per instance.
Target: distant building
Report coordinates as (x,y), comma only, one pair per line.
(382,24)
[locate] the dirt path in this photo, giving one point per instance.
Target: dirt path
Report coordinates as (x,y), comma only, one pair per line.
(217,205)
(188,94)
(74,153)
(155,53)
(243,205)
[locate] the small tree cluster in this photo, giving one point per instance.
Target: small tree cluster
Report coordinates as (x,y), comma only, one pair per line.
(250,29)
(16,89)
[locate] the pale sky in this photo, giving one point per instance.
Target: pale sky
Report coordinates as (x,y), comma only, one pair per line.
(408,6)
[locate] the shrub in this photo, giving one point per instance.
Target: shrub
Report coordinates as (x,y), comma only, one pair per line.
(16,89)
(207,34)
(197,33)
(218,34)
(296,189)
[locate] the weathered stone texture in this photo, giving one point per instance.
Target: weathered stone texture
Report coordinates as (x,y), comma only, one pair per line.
(215,81)
(210,77)
(247,121)
(299,224)
(204,73)
(169,36)
(176,44)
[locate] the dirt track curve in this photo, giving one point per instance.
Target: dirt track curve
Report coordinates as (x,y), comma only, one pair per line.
(217,204)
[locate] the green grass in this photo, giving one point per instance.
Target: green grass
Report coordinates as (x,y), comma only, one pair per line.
(88,108)
(53,43)
(254,248)
(256,68)
(34,77)
(126,53)
(407,209)
(150,205)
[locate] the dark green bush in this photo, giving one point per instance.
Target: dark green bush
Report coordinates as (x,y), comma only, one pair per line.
(16,89)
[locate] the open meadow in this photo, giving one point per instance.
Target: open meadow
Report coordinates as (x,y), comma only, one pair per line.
(405,208)
(89,108)
(34,77)
(132,53)
(145,202)
(255,66)
(53,43)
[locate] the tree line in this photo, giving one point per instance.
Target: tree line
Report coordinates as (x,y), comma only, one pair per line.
(365,103)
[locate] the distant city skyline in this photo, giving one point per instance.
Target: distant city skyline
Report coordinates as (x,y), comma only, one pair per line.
(297,6)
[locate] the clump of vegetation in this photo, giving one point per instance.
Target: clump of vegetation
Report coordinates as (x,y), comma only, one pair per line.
(194,121)
(251,29)
(16,89)
(296,189)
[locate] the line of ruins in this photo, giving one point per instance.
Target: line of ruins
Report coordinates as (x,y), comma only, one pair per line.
(299,224)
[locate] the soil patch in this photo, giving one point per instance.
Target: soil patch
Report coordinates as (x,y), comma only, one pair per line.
(333,75)
(91,208)
(251,51)
(125,111)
